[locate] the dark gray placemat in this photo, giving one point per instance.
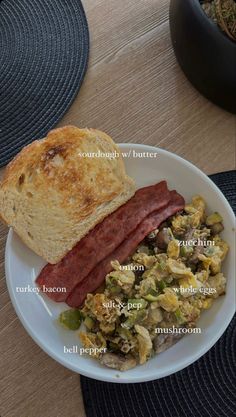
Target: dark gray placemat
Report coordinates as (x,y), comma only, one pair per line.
(44,47)
(203,389)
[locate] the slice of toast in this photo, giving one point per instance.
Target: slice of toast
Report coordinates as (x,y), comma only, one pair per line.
(58,188)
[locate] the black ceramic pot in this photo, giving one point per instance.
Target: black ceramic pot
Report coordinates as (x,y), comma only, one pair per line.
(206,55)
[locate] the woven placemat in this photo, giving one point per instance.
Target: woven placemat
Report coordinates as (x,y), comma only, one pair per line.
(44,46)
(203,389)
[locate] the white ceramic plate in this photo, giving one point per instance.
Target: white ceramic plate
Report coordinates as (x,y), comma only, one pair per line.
(38,314)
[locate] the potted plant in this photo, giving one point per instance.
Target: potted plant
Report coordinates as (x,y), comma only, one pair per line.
(205,47)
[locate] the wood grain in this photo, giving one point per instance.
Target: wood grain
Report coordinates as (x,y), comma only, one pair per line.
(134,90)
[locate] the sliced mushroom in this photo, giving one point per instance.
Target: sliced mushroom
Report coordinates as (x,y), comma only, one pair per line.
(164,341)
(163,238)
(188,234)
(197,251)
(122,363)
(216,228)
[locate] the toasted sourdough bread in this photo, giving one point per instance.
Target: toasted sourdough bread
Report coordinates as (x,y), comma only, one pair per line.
(52,194)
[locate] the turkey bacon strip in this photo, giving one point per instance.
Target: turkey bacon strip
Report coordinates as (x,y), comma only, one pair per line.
(102,240)
(96,277)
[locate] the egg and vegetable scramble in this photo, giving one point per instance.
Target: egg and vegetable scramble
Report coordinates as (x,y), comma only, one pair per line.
(174,274)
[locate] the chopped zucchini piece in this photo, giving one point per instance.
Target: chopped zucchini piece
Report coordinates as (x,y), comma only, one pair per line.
(213,218)
(216,228)
(162,265)
(136,317)
(114,289)
(111,280)
(89,322)
(124,333)
(152,296)
(179,316)
(186,251)
(161,285)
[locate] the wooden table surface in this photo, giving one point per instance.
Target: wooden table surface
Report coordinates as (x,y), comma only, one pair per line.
(135,91)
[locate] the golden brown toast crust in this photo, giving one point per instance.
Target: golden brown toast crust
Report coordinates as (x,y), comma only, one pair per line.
(53,174)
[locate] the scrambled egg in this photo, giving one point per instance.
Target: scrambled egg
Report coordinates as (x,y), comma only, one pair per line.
(171,288)
(168,300)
